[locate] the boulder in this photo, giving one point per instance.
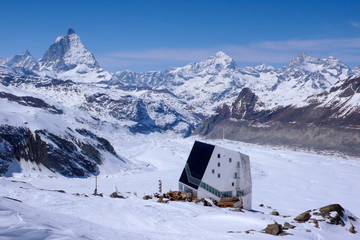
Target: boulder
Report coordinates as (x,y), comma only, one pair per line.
(332,208)
(303,217)
(352,229)
(147,197)
(288,225)
(273,229)
(275,213)
(116,195)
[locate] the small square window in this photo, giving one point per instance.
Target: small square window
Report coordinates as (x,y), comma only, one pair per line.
(218,155)
(230,159)
(232,184)
(218,175)
(213,171)
(218,164)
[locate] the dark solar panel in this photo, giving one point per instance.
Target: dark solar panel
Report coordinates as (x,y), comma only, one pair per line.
(197,161)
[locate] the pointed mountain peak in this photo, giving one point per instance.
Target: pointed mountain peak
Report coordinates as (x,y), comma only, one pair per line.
(68,52)
(221,55)
(26,53)
(218,61)
(302,59)
(22,60)
(70,31)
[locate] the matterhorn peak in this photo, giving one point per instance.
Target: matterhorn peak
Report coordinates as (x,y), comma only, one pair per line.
(70,31)
(68,52)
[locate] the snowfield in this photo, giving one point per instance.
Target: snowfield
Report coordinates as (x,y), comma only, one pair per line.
(283,179)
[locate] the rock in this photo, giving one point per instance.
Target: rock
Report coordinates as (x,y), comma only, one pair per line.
(206,203)
(352,229)
(336,220)
(214,202)
(275,213)
(352,218)
(285,234)
(303,217)
(308,230)
(261,205)
(273,229)
(332,208)
(316,223)
(147,197)
(161,200)
(116,195)
(288,225)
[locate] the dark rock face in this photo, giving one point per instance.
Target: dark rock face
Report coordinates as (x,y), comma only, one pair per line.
(58,153)
(312,126)
(332,208)
(31,101)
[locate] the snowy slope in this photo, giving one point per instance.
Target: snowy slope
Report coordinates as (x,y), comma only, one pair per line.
(288,181)
(142,110)
(37,134)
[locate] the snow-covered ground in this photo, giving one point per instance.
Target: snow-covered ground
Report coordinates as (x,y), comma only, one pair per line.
(289,181)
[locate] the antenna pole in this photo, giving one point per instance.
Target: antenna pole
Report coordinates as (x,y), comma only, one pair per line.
(95,192)
(160,186)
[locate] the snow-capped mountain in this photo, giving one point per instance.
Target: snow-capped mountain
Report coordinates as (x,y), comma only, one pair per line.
(174,100)
(356,71)
(68,58)
(210,83)
(38,133)
(24,60)
(327,121)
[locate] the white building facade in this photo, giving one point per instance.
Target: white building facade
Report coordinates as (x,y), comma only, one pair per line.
(218,173)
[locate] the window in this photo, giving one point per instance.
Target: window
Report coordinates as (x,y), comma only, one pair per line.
(235,175)
(218,155)
(230,159)
(218,164)
(218,175)
(232,184)
(213,171)
(238,164)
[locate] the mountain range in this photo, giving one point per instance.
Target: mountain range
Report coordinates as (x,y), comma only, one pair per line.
(297,104)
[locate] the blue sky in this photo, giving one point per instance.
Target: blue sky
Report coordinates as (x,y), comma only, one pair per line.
(154,35)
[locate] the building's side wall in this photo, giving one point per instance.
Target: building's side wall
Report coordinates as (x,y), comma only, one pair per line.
(226,182)
(246,181)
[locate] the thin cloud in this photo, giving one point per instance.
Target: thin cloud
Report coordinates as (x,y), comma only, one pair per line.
(269,52)
(355,24)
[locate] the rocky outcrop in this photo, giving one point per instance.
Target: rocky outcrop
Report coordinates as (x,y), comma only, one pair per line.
(65,154)
(31,102)
(324,122)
